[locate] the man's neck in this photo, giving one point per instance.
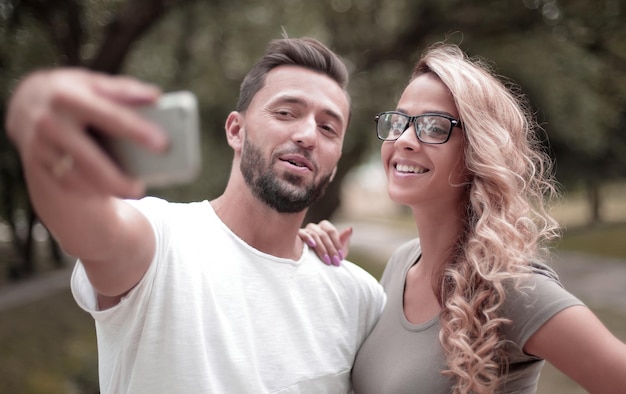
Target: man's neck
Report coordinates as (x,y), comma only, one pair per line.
(260,226)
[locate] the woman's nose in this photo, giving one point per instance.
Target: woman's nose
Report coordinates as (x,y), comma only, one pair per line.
(408,139)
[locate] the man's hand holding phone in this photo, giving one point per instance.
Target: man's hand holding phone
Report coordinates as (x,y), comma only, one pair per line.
(47,119)
(51,111)
(76,188)
(177,115)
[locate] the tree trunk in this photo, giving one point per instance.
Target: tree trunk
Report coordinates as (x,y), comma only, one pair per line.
(133,19)
(62,20)
(595,203)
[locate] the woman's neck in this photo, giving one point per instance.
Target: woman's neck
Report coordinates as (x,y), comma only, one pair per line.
(439,234)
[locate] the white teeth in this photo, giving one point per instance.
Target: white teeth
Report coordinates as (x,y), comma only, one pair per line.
(411,169)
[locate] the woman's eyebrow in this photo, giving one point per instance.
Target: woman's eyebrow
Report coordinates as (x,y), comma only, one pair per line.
(435,112)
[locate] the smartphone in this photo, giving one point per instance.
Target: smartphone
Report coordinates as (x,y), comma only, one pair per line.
(177,114)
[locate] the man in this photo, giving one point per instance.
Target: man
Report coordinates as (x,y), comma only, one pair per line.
(206,297)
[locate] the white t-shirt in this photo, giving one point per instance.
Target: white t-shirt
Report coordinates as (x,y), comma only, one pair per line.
(214,315)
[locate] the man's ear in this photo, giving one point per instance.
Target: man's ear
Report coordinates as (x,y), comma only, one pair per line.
(234,130)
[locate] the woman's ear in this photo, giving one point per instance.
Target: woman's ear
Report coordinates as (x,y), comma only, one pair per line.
(234,130)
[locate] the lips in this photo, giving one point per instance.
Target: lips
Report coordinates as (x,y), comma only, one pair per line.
(410,169)
(297,161)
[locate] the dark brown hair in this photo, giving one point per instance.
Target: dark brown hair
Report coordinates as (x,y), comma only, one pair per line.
(304,52)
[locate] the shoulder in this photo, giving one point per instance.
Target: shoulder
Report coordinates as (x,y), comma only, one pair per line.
(405,254)
(408,249)
(365,286)
(158,209)
(541,283)
(357,272)
(160,204)
(351,279)
(537,297)
(538,290)
(174,222)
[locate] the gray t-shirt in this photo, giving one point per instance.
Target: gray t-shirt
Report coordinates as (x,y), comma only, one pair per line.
(401,357)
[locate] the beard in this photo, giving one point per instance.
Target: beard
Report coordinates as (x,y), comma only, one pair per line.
(285,194)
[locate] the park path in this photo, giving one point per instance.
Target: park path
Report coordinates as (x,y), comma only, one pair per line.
(26,291)
(599,282)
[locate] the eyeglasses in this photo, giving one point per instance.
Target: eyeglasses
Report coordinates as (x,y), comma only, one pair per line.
(429,128)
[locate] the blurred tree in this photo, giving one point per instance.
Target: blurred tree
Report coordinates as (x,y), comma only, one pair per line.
(572,68)
(567,56)
(60,24)
(594,139)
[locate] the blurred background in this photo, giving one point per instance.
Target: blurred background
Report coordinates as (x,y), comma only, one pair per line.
(568,57)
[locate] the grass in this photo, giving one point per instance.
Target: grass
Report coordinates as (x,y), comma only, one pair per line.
(48,347)
(607,240)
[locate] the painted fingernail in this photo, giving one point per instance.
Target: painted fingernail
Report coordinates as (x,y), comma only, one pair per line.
(336,261)
(341,256)
(327,259)
(311,242)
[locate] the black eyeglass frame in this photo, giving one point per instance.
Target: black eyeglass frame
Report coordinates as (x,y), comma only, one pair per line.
(411,120)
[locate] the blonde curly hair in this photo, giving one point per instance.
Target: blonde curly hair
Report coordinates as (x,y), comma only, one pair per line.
(507,224)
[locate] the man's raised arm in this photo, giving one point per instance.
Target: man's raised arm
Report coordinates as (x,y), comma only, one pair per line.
(77,191)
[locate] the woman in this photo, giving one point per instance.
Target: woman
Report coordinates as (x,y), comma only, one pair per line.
(471,307)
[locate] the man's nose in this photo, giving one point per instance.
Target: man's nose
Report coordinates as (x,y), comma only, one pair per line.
(305,134)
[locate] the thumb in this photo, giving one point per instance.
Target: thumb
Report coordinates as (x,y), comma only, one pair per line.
(344,238)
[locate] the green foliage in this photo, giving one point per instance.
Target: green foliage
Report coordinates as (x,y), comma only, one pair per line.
(568,57)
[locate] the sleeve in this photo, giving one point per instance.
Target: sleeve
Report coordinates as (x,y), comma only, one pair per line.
(377,296)
(372,309)
(533,303)
(84,293)
(372,294)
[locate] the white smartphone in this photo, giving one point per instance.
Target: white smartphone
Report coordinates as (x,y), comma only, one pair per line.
(177,114)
